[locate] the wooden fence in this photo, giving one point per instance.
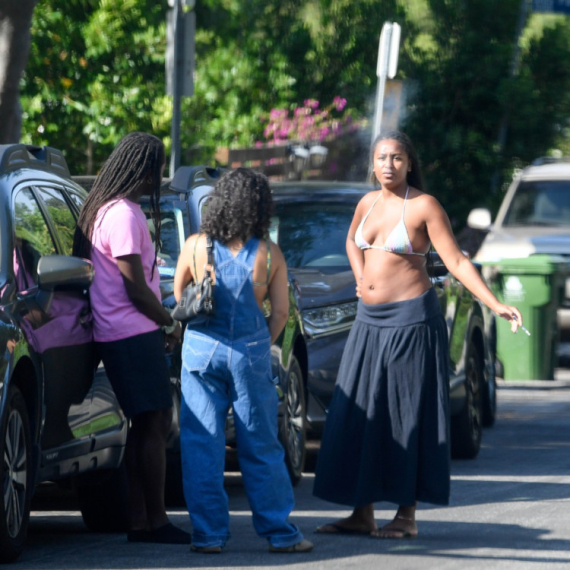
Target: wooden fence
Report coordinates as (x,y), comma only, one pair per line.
(344,158)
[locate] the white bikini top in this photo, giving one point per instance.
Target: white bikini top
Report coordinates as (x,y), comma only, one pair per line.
(397,241)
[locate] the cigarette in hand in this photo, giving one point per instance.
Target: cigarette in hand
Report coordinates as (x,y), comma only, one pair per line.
(523,328)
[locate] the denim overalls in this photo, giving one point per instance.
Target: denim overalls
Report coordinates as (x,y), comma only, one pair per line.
(226,362)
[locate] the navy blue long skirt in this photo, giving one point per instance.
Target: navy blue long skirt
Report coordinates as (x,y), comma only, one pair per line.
(386,436)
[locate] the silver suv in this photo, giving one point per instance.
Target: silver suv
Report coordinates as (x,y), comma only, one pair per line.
(533,218)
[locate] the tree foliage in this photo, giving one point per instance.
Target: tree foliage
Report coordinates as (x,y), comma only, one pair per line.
(466,86)
(96,72)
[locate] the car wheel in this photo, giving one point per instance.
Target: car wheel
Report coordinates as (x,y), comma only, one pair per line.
(490,401)
(292,431)
(15,451)
(104,503)
(466,427)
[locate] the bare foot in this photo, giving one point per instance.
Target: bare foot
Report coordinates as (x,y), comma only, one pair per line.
(400,527)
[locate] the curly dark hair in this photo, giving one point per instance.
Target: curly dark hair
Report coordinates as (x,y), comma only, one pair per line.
(239,207)
(414,177)
(136,161)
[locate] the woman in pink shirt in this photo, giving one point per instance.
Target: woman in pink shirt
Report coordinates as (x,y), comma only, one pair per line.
(130,322)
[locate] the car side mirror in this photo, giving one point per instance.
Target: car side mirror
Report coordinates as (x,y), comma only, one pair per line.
(64,273)
(436,267)
(479,219)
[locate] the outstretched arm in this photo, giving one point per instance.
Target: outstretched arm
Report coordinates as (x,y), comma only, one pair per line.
(443,240)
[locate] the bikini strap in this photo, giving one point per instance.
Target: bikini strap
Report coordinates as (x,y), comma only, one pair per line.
(405,200)
(371,207)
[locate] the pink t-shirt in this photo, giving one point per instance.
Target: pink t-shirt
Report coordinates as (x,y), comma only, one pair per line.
(120,229)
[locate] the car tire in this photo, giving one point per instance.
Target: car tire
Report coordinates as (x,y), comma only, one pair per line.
(104,503)
(292,432)
(490,401)
(467,427)
(16,476)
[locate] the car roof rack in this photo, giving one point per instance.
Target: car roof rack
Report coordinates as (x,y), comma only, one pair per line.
(549,160)
(188,177)
(14,156)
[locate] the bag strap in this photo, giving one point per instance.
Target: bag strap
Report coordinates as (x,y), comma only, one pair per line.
(209,250)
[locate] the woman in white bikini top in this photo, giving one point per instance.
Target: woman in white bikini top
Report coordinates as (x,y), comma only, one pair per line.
(397,241)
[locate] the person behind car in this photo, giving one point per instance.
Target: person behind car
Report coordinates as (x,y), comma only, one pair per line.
(226,362)
(386,436)
(128,315)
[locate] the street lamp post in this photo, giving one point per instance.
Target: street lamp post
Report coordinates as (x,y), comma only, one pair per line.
(387,66)
(388,49)
(181,25)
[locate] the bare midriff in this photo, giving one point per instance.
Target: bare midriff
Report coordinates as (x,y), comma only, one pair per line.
(390,277)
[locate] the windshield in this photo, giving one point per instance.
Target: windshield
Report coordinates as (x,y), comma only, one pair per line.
(171,236)
(540,203)
(312,234)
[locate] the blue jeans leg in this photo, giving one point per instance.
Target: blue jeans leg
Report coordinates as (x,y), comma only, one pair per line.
(260,453)
(205,404)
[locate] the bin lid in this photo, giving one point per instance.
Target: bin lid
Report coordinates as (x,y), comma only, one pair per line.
(540,264)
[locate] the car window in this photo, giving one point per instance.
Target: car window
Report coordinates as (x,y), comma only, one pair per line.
(312,234)
(32,236)
(61,215)
(171,236)
(542,202)
(204,205)
(76,198)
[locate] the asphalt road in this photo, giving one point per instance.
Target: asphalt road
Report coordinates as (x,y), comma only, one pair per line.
(510,509)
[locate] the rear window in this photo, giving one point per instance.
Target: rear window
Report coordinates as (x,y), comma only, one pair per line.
(171,237)
(540,203)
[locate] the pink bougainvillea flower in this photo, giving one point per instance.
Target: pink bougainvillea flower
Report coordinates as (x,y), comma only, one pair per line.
(308,123)
(311,103)
(339,103)
(324,133)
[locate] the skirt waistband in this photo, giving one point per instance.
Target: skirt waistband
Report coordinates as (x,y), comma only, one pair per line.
(400,313)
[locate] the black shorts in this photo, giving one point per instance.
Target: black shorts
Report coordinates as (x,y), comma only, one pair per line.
(138,372)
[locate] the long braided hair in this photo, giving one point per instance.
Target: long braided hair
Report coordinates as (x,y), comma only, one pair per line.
(136,161)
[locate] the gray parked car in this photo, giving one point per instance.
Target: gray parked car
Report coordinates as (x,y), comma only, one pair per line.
(534,218)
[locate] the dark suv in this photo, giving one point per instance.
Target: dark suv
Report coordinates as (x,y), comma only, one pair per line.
(58,421)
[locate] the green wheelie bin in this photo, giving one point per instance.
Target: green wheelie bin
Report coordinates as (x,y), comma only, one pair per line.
(535,285)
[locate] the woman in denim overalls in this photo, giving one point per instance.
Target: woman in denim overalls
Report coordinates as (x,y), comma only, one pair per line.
(226,362)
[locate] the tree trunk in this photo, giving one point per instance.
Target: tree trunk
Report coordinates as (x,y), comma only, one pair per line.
(15,38)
